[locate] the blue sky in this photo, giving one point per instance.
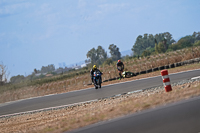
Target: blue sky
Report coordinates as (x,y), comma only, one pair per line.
(37,33)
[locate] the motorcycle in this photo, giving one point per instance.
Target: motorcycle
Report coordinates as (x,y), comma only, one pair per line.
(97,79)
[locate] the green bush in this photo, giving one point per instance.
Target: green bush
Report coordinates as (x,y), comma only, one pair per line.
(169,50)
(146,53)
(197,43)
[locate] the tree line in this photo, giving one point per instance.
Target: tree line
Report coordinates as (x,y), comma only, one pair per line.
(145,45)
(160,43)
(45,69)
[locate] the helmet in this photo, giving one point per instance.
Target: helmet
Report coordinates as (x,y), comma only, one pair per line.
(119,61)
(94,67)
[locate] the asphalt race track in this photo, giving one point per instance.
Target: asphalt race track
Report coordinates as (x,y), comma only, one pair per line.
(89,94)
(181,117)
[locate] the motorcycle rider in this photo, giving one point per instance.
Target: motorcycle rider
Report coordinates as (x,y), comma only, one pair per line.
(92,73)
(120,67)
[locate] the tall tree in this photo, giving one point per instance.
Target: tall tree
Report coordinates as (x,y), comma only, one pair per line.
(141,44)
(92,55)
(196,36)
(114,51)
(151,40)
(169,38)
(97,56)
(101,55)
(137,47)
(165,43)
(146,42)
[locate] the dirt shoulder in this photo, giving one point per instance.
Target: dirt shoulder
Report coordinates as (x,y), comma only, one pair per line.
(70,118)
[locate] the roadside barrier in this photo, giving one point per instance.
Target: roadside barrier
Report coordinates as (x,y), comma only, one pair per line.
(166,80)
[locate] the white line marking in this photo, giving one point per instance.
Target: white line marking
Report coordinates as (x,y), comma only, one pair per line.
(49,108)
(196,77)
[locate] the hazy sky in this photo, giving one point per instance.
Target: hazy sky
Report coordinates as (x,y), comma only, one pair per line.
(35,33)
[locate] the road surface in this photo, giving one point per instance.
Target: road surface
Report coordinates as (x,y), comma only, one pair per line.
(89,94)
(181,117)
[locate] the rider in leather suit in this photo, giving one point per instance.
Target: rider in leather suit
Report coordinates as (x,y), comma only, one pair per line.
(92,72)
(120,67)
